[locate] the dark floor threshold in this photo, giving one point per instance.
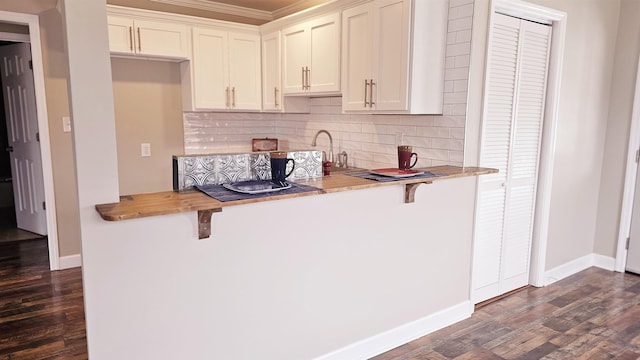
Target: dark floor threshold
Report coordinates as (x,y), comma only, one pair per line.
(499,297)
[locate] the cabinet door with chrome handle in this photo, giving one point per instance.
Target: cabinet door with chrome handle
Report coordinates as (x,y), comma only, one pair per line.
(233,97)
(131,41)
(371,102)
(366,86)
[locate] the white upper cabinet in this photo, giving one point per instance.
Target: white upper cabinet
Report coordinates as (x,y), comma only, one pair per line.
(133,36)
(393,54)
(311,56)
(225,70)
(244,71)
(271,72)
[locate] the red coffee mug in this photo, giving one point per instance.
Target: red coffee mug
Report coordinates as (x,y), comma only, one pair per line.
(404,157)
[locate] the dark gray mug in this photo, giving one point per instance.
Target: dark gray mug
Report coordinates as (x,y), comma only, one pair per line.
(279,162)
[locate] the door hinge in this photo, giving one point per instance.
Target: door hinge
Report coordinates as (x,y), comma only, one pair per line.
(628,241)
(38,136)
(44,205)
(31,64)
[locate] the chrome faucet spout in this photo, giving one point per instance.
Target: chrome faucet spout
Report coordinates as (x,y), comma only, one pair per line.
(315,137)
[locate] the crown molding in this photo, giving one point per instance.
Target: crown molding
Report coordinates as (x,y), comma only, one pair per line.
(293,8)
(218,7)
(222,8)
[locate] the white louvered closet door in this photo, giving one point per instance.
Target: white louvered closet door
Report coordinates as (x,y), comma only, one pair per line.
(511,137)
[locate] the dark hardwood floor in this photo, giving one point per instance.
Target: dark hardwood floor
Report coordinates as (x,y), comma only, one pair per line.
(41,312)
(9,230)
(592,315)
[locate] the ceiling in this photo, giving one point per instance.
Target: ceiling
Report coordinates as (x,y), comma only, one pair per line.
(254,12)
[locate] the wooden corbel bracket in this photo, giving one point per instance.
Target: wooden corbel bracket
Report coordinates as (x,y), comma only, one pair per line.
(204,222)
(410,191)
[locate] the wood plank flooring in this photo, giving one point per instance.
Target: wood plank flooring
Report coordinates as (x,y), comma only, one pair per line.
(41,312)
(594,314)
(9,230)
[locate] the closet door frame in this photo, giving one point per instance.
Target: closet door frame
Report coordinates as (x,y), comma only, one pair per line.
(557,19)
(631,172)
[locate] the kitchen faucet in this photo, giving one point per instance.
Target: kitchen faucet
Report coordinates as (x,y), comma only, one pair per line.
(313,143)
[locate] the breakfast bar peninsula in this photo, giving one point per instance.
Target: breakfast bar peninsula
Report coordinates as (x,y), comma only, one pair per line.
(348,271)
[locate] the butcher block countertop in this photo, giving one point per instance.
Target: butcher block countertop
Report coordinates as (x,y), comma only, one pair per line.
(171,202)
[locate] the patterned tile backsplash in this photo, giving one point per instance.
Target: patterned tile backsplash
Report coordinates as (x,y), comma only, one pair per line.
(208,169)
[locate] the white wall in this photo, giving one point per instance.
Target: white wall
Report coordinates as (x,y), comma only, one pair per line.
(619,118)
(583,112)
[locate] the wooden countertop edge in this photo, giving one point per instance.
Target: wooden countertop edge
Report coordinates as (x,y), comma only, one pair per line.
(171,202)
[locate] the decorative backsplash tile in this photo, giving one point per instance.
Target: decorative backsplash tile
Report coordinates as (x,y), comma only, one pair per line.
(232,168)
(259,166)
(191,170)
(308,164)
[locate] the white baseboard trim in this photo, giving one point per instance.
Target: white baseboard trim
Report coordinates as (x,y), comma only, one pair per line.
(577,265)
(70,261)
(378,344)
(604,262)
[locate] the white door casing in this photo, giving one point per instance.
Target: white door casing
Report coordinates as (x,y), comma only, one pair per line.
(633,251)
(512,127)
(22,128)
(32,21)
(630,209)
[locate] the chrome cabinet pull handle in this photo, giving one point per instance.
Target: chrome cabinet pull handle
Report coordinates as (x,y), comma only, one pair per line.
(226,102)
(130,39)
(275,96)
(139,41)
(233,96)
(308,78)
(303,77)
(371,103)
(366,85)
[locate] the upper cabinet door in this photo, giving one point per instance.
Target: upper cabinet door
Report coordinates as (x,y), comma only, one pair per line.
(295,59)
(391,54)
(225,70)
(210,69)
(244,71)
(324,54)
(357,57)
(121,35)
(162,39)
(375,38)
(271,73)
(311,56)
(130,36)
